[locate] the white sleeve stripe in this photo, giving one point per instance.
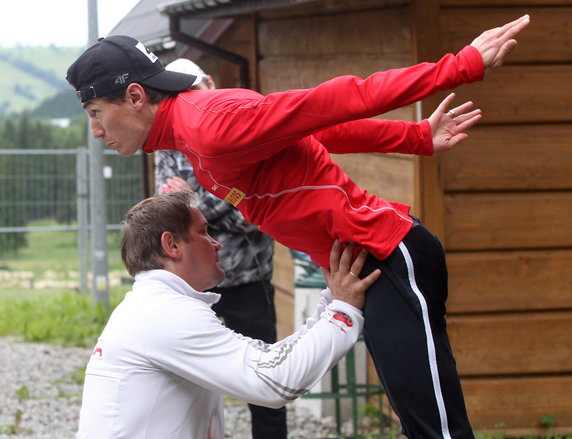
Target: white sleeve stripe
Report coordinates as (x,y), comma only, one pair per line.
(281,390)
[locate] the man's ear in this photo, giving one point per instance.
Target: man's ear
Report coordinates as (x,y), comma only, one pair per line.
(210,82)
(170,245)
(135,94)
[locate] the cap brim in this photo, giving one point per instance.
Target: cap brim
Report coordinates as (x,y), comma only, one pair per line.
(170,81)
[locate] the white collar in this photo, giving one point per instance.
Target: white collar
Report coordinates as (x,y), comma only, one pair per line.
(177,284)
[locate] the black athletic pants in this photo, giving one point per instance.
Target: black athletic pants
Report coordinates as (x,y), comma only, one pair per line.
(249,310)
(405,331)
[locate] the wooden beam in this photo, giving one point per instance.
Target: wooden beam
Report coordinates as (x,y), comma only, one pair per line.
(426,39)
(546,40)
(512,344)
(514,406)
(509,281)
(502,221)
(506,157)
(521,95)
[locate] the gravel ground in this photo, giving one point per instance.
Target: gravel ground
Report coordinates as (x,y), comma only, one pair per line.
(38,396)
(40,399)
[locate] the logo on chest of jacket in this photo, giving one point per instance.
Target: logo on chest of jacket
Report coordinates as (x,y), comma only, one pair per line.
(235,196)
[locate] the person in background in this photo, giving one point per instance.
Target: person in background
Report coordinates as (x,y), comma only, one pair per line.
(247,294)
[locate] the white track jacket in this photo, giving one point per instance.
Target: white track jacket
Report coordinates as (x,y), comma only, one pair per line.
(164,361)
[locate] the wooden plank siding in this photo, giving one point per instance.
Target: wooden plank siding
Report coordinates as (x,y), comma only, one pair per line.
(240,39)
(506,158)
(515,405)
(509,281)
(531,94)
(547,40)
(504,200)
(499,344)
(508,220)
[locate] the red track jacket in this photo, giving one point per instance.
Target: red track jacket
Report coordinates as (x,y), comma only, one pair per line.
(270,155)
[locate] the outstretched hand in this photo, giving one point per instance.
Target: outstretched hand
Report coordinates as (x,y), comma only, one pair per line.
(449,127)
(495,44)
(343,275)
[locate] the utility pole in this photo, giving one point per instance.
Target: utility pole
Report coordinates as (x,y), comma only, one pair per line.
(97,192)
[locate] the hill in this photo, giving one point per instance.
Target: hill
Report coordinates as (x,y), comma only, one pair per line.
(30,75)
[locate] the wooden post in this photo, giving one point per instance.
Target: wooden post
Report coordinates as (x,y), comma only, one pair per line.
(426,41)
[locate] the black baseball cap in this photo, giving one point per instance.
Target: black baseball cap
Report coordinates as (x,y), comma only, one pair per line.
(114,62)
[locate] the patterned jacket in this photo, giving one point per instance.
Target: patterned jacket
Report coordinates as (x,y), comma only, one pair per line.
(246,254)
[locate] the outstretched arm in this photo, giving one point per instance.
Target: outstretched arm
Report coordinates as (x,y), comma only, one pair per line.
(377,136)
(263,125)
(444,130)
(205,352)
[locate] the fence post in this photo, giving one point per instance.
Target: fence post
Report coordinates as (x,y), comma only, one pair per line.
(97,193)
(98,214)
(82,222)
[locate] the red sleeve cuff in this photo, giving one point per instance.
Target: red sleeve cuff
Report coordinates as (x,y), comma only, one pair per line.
(426,138)
(472,65)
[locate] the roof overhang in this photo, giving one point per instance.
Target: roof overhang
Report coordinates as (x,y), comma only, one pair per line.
(223,8)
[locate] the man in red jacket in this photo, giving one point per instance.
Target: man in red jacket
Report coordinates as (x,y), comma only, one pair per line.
(269,157)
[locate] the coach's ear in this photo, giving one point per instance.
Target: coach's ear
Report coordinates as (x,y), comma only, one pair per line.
(135,95)
(170,245)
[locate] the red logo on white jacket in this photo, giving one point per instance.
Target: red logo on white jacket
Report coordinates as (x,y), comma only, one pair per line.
(98,352)
(342,321)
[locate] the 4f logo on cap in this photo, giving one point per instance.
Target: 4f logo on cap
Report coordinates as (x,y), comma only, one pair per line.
(122,79)
(152,57)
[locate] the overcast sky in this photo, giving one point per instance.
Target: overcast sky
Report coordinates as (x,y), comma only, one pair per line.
(58,22)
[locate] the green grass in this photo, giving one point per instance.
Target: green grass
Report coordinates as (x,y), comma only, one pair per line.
(50,265)
(39,299)
(66,319)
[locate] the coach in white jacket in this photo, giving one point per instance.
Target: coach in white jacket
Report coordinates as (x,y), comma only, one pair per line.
(164,360)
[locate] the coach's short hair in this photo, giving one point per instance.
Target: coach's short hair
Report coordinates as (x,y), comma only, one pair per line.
(144,225)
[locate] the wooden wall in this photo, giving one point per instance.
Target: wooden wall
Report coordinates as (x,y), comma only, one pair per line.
(333,38)
(502,203)
(238,38)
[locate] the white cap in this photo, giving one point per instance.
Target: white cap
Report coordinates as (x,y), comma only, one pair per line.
(184,65)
